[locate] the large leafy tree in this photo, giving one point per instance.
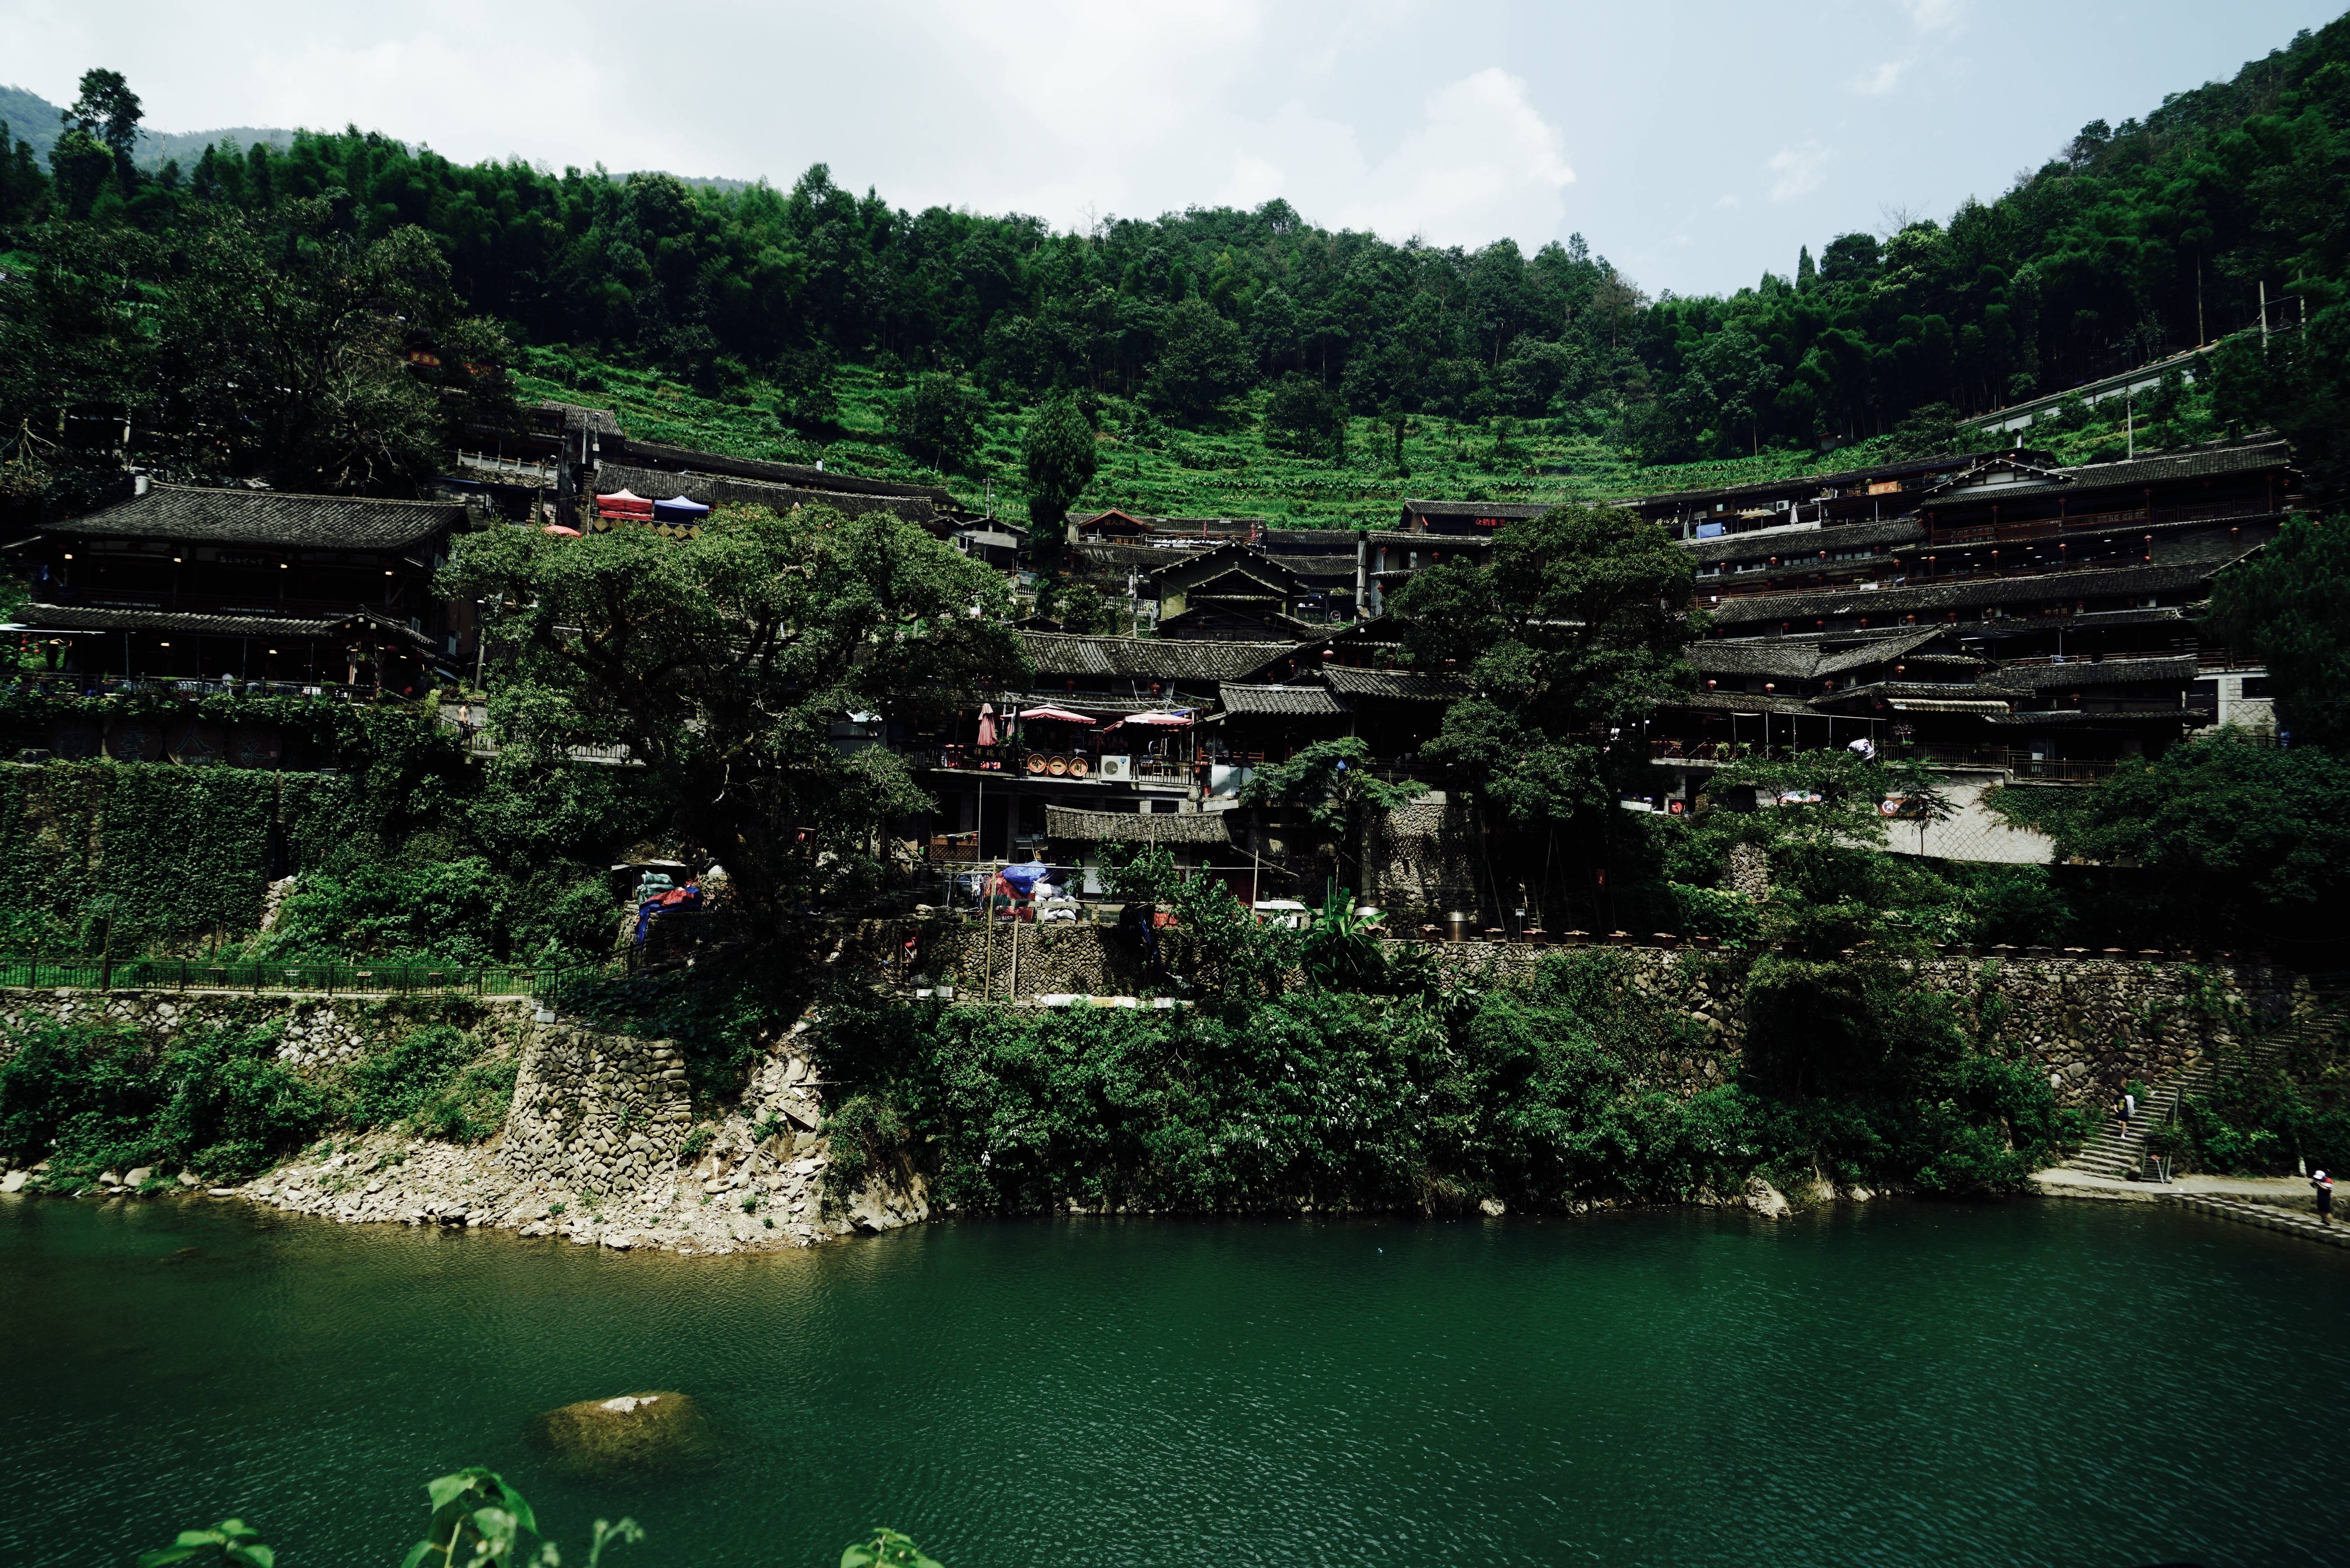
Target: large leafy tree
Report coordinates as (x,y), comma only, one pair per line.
(1201,360)
(1572,630)
(722,661)
(2235,844)
(1337,795)
(320,361)
(936,418)
(1568,637)
(2290,605)
(1058,451)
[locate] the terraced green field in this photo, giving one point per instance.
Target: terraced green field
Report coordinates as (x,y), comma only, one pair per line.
(1219,469)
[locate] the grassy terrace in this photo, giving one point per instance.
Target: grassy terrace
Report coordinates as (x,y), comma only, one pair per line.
(1219,469)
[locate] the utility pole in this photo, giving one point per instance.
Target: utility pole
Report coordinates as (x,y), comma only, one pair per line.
(2202,337)
(2129,432)
(2264,314)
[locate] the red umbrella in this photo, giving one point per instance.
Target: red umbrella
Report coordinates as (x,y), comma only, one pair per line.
(560,532)
(1062,714)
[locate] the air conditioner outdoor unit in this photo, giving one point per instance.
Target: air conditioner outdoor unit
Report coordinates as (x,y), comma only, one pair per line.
(1117,770)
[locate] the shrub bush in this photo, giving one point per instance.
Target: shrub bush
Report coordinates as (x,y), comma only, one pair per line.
(213,1099)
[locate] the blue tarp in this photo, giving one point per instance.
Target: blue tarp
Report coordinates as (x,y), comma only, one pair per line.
(1708,530)
(1025,877)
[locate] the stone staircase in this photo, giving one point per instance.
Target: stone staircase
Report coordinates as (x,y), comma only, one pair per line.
(2120,1155)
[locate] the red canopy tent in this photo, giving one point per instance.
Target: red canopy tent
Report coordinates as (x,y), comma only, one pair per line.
(625,504)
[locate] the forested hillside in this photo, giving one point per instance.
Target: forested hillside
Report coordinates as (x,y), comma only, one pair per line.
(1226,357)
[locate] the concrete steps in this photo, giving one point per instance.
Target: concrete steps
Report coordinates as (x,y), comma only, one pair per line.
(2268,1216)
(2121,1155)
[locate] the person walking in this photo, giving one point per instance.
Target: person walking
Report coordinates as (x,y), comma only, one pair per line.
(2128,1108)
(2323,1186)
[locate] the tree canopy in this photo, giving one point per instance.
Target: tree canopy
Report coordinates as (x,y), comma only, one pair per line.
(723,662)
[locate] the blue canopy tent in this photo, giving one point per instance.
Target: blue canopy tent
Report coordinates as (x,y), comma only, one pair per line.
(680,509)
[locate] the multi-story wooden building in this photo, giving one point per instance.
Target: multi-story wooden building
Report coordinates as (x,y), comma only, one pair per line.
(251,584)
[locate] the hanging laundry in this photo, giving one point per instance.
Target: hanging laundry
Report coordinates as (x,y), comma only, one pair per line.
(987,723)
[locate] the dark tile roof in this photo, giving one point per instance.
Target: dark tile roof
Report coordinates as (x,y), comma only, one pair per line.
(1811,483)
(266,517)
(1317,568)
(89,617)
(1512,510)
(1120,558)
(1149,658)
(1227,558)
(727,490)
(1785,660)
(1975,593)
(2090,719)
(1739,703)
(1136,828)
(1297,700)
(1309,542)
(2093,672)
(2161,468)
(1395,685)
(1214,622)
(668,458)
(1086,703)
(1803,544)
(576,416)
(1393,536)
(1959,690)
(1869,653)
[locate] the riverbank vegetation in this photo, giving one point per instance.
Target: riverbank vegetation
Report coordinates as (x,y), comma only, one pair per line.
(1582,1085)
(217,1097)
(1374,1087)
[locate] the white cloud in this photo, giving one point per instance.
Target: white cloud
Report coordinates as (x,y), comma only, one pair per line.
(1725,201)
(1934,16)
(1880,81)
(1482,163)
(1799,169)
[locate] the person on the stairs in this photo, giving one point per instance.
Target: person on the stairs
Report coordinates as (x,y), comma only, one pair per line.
(2129,1109)
(2322,1185)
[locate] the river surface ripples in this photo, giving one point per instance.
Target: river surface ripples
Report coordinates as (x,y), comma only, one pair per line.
(2041,1383)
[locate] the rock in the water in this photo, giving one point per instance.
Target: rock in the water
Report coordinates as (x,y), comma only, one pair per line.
(627,1431)
(1491,1207)
(1764,1198)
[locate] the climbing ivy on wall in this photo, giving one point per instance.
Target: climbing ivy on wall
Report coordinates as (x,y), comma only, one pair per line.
(165,854)
(376,805)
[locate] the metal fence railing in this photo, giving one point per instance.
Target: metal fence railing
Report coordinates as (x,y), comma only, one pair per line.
(327,979)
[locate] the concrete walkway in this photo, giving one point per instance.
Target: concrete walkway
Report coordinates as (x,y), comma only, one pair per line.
(2282,1203)
(2061,1182)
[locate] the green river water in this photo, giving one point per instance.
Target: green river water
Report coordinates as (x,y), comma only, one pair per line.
(2038,1382)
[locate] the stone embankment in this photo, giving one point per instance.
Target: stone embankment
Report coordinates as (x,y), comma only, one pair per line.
(601,1146)
(2090,1019)
(604,1143)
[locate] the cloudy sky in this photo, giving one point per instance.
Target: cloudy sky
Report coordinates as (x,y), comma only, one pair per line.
(1696,142)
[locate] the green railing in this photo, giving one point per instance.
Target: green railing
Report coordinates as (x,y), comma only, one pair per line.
(328,979)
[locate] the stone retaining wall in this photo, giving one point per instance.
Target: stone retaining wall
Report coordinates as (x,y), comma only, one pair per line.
(319,1033)
(596,1113)
(2091,1021)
